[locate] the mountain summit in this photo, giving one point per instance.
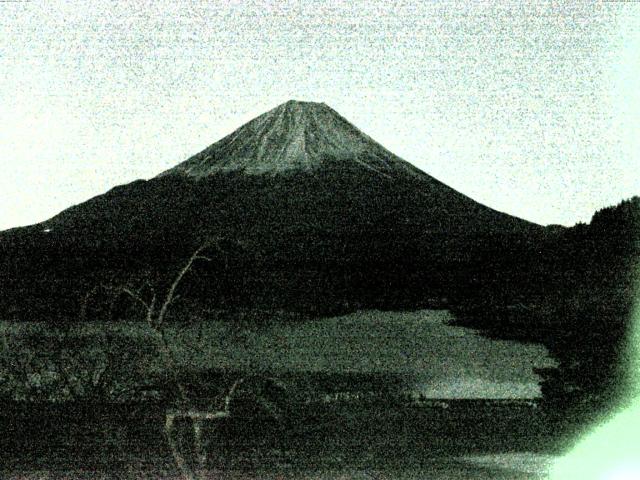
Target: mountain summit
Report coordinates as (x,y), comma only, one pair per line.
(293,136)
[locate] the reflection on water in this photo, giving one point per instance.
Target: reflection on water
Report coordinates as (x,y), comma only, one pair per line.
(469,438)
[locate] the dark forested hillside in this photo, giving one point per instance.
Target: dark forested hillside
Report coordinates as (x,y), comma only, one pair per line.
(311,215)
(574,293)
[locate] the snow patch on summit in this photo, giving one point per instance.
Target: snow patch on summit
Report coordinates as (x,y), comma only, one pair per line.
(293,136)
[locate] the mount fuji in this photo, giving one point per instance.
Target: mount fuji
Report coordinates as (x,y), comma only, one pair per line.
(322,211)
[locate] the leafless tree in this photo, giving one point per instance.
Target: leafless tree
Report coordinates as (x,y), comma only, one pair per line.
(60,364)
(156,307)
(155,304)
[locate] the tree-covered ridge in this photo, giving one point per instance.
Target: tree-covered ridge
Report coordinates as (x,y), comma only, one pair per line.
(577,300)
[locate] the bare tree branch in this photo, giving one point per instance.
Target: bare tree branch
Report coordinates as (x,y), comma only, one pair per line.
(155,318)
(151,310)
(176,282)
(85,303)
(180,460)
(229,396)
(135,297)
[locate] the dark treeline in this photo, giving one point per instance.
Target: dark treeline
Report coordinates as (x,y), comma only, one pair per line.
(574,293)
(299,273)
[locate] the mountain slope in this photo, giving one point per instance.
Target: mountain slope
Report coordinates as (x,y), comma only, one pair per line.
(293,136)
(320,209)
(298,167)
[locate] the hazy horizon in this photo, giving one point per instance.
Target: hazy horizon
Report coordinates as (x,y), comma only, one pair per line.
(527,108)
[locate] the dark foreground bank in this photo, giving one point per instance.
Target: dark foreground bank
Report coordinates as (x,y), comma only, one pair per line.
(467,439)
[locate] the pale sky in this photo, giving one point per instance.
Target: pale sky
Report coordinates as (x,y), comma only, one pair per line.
(530,109)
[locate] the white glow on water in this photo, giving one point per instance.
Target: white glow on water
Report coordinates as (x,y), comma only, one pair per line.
(612,450)
(625,472)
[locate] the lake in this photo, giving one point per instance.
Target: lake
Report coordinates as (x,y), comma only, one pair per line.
(382,436)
